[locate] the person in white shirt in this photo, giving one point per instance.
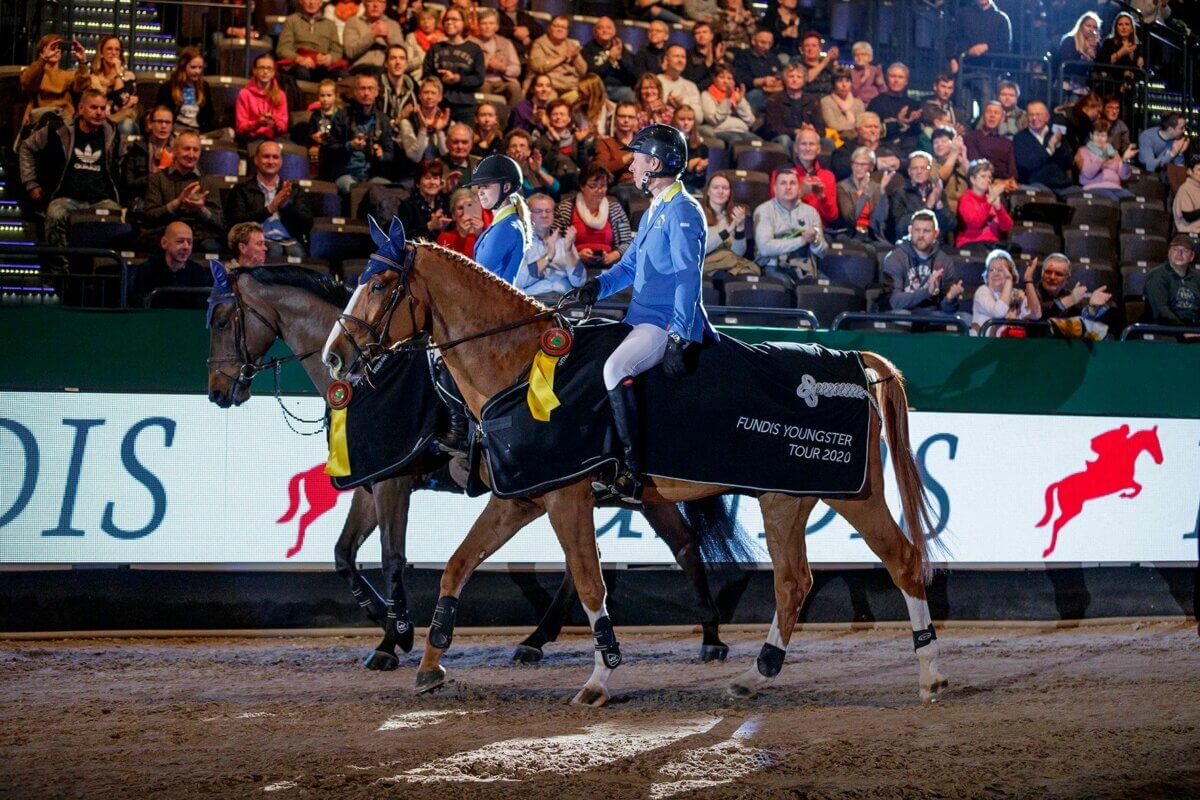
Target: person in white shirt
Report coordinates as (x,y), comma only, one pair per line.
(678,90)
(1000,297)
(787,233)
(552,267)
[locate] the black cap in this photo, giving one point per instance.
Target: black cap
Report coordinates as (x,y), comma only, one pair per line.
(664,143)
(497,169)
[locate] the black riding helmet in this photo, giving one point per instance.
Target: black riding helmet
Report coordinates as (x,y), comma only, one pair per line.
(664,143)
(497,169)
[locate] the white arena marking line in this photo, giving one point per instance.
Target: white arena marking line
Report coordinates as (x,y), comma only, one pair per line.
(420,719)
(278,785)
(718,764)
(243,715)
(517,759)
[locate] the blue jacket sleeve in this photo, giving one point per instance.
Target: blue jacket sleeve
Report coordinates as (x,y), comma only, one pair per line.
(620,275)
(687,236)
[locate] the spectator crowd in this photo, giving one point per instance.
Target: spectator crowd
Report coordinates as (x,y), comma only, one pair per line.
(970,198)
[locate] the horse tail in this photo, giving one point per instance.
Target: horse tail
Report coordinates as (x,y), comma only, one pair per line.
(913,498)
(722,540)
(293,498)
(1049,504)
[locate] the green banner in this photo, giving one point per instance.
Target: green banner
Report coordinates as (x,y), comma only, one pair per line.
(49,348)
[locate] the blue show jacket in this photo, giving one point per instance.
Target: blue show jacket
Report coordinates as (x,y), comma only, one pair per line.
(664,265)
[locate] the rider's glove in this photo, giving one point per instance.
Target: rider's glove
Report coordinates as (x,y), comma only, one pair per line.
(673,359)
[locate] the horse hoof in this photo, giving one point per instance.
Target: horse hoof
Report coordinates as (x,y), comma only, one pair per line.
(430,679)
(713,652)
(524,654)
(382,661)
(740,692)
(590,696)
(932,693)
(405,640)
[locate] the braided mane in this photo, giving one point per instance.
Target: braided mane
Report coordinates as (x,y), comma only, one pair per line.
(458,258)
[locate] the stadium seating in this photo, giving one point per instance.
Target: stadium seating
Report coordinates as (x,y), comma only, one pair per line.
(336,239)
(826,301)
(1140,247)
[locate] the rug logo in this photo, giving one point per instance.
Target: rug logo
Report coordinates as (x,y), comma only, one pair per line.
(807,390)
(321,495)
(1117,453)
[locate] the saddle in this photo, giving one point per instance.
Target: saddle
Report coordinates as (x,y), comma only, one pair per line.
(790,418)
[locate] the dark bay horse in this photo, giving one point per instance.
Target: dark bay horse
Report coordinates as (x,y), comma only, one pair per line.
(265,304)
(414,287)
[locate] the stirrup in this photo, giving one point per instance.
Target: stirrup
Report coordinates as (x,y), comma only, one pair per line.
(452,444)
(626,486)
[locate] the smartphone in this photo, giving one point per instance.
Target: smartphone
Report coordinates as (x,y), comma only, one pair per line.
(1061,130)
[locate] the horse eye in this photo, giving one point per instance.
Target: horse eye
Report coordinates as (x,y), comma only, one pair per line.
(223,325)
(376,286)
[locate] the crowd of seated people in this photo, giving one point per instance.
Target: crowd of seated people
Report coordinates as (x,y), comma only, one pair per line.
(400,101)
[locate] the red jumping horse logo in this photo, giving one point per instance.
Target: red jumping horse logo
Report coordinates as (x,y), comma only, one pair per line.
(1111,472)
(321,495)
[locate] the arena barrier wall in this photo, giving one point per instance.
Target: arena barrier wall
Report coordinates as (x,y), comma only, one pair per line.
(113,457)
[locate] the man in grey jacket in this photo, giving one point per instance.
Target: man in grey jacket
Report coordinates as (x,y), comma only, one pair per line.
(81,159)
(914,271)
(787,233)
(366,39)
(310,42)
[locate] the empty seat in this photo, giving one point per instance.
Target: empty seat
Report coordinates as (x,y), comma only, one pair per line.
(1137,247)
(223,97)
(231,54)
(718,156)
(323,198)
(221,158)
(1133,281)
(1035,242)
(857,270)
(1149,188)
(1145,218)
(554,8)
(337,239)
(100,228)
(633,33)
(1088,198)
(760,159)
(1091,244)
(351,269)
(751,189)
(1023,196)
(826,301)
(710,295)
(1095,277)
(757,295)
(1097,215)
(967,268)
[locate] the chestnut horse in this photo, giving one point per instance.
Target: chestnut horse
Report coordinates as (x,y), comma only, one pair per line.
(265,304)
(488,331)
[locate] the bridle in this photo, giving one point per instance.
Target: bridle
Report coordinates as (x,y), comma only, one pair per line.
(368,356)
(248,367)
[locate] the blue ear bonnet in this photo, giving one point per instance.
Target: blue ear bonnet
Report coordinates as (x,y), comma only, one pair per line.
(222,291)
(390,249)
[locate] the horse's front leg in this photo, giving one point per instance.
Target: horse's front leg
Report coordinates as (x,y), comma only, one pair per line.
(499,522)
(392,498)
(570,510)
(1134,490)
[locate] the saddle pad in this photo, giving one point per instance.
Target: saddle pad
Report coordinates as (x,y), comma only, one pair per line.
(790,418)
(391,420)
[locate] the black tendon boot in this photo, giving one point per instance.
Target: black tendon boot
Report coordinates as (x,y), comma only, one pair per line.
(453,440)
(623,400)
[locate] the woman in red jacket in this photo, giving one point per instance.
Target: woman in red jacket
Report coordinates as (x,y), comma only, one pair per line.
(981,213)
(262,111)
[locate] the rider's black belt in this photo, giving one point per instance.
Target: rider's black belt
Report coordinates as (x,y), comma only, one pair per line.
(790,418)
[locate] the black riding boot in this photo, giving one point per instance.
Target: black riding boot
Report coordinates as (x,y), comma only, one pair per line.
(623,400)
(453,440)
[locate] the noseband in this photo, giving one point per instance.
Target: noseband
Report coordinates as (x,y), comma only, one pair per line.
(367,356)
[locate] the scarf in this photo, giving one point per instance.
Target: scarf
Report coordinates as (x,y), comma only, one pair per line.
(597,221)
(717,94)
(1105,154)
(845,105)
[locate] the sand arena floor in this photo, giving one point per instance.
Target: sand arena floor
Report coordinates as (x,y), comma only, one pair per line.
(1109,711)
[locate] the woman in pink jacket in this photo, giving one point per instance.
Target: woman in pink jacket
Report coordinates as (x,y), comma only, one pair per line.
(262,111)
(1101,167)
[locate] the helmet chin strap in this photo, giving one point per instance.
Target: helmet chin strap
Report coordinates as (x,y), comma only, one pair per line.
(502,197)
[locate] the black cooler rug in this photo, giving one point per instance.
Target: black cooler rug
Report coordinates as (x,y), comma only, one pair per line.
(788,418)
(392,420)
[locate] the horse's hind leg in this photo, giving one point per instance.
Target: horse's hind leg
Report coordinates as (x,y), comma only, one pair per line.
(785,519)
(672,528)
(871,518)
(357,527)
(391,506)
(530,650)
(499,522)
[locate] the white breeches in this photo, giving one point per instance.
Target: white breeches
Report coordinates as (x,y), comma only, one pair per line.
(644,347)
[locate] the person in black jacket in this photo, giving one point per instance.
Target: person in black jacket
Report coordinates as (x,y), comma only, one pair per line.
(978,29)
(278,205)
(359,143)
(146,156)
(1042,158)
(519,26)
(458,63)
(608,57)
(173,266)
